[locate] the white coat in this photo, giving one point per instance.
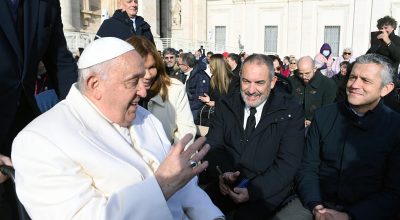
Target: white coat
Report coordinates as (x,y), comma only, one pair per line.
(73,164)
(174,114)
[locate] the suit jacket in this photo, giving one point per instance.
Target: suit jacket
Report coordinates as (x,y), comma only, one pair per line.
(71,163)
(43,40)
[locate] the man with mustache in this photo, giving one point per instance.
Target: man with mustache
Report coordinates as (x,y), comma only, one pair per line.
(99,155)
(125,22)
(256,142)
(351,161)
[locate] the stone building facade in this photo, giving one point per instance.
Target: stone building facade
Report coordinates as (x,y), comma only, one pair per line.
(283,27)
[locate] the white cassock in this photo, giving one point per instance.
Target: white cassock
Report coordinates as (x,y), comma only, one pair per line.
(71,163)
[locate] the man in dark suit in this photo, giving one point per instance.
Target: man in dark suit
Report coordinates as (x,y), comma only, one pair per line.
(30,31)
(256,140)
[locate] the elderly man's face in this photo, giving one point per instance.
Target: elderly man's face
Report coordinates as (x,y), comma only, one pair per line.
(364,88)
(306,70)
(119,93)
(130,6)
(255,84)
(169,60)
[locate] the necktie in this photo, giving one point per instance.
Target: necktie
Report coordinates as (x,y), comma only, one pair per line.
(251,122)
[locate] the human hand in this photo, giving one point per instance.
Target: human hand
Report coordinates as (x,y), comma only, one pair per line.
(205,98)
(307,123)
(239,195)
(384,36)
(336,215)
(226,180)
(4,161)
(176,170)
(320,213)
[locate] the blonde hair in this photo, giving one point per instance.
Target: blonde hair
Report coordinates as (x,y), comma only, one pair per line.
(221,74)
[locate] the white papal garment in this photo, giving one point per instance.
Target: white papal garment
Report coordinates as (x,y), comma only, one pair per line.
(71,163)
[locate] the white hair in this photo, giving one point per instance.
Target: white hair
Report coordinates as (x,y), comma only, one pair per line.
(100,69)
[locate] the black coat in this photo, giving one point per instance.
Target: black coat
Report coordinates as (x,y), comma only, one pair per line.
(271,155)
(44,40)
(392,51)
(353,161)
(318,92)
(121,26)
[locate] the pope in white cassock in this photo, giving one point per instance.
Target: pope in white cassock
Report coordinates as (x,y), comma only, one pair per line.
(98,155)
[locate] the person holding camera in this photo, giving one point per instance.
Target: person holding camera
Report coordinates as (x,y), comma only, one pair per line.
(387,43)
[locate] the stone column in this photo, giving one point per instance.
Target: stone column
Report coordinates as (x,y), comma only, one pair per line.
(67,15)
(149,10)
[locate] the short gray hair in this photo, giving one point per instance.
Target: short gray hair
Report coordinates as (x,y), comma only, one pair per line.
(385,63)
(261,59)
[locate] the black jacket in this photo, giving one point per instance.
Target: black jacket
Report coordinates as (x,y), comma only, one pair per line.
(353,161)
(318,92)
(44,40)
(121,26)
(271,155)
(392,51)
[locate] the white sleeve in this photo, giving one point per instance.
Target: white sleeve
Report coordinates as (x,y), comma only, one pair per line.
(52,186)
(196,203)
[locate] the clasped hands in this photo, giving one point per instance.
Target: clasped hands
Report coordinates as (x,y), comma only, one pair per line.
(238,195)
(322,213)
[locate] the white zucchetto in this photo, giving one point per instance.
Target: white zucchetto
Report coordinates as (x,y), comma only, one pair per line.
(101,50)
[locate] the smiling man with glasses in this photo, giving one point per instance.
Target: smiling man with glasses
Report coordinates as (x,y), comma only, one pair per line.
(169,57)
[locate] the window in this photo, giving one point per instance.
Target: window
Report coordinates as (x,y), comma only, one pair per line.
(332,37)
(220,38)
(271,39)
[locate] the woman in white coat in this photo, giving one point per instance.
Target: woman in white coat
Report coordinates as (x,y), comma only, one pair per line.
(166,97)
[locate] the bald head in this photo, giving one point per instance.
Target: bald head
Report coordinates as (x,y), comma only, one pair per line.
(306,68)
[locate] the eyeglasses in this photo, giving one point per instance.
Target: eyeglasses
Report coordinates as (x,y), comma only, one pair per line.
(346,53)
(293,63)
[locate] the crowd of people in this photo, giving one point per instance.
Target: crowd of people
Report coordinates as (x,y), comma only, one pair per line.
(293,138)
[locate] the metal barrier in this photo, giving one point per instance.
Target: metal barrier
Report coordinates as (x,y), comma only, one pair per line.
(82,39)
